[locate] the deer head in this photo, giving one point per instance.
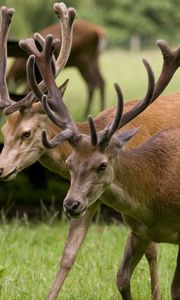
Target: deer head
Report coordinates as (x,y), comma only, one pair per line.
(22,130)
(91,163)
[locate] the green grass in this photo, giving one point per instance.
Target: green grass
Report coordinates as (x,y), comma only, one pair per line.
(29,260)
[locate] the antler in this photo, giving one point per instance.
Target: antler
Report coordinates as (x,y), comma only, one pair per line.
(6,16)
(59,114)
(171,62)
(52,102)
(66,16)
(107,133)
(170,65)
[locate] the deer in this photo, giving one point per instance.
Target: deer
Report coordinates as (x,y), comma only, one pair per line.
(26,119)
(89,41)
(144,179)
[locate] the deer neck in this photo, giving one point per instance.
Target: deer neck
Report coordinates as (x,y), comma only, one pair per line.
(137,175)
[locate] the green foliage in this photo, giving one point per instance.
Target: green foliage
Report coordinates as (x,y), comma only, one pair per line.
(123,19)
(30,260)
(147,19)
(32,15)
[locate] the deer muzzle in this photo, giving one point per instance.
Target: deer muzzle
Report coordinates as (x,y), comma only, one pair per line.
(8,174)
(73,208)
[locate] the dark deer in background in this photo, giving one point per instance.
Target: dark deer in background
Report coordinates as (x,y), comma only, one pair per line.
(145,180)
(88,42)
(22,142)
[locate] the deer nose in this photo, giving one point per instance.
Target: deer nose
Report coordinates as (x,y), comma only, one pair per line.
(1,171)
(71,206)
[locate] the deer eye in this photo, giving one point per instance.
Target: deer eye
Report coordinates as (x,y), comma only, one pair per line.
(26,134)
(102,167)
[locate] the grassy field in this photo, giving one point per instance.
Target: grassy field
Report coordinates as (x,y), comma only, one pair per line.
(30,253)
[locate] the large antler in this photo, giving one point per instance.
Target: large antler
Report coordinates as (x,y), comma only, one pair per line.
(58,113)
(106,134)
(52,102)
(66,17)
(171,62)
(6,16)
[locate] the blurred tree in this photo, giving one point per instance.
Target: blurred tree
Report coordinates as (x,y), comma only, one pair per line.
(129,20)
(32,15)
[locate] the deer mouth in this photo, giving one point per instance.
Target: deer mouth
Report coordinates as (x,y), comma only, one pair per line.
(77,214)
(11,175)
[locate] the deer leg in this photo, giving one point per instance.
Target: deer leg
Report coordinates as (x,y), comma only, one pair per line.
(86,69)
(100,84)
(89,99)
(151,256)
(175,287)
(102,97)
(134,250)
(77,232)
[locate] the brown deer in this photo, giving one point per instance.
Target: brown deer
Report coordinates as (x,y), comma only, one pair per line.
(88,42)
(22,142)
(145,180)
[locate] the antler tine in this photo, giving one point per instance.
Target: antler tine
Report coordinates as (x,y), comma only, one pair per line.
(106,134)
(70,132)
(142,104)
(66,17)
(93,132)
(41,41)
(57,140)
(6,16)
(30,66)
(30,69)
(171,62)
(54,117)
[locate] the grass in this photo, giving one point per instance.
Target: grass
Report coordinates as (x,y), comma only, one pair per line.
(29,260)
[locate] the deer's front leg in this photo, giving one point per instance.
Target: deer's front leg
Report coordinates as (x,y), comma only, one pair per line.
(151,256)
(77,232)
(134,250)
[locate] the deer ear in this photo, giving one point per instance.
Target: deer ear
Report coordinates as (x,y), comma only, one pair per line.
(124,137)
